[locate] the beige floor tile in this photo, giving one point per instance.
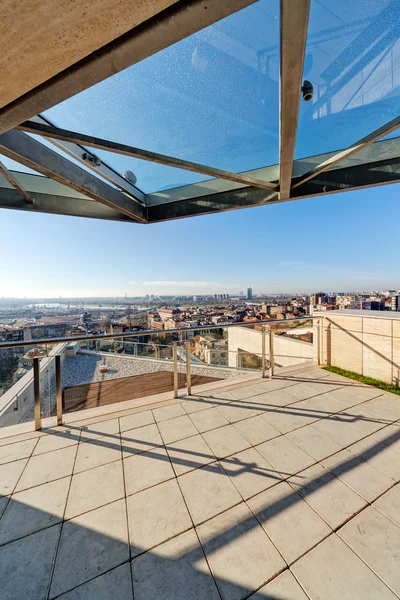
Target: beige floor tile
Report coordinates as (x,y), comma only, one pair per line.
(389,504)
(313,442)
(283,587)
(256,430)
(90,545)
(22,437)
(156,515)
(9,475)
(376,540)
(389,435)
(301,391)
(34,509)
(391,401)
(147,469)
(57,438)
(331,498)
(340,574)
(377,408)
(362,420)
(94,488)
(3,504)
(362,477)
(285,419)
(339,430)
(279,397)
(115,585)
(96,453)
(240,554)
(102,429)
(47,467)
(13,452)
(239,411)
(318,407)
(379,455)
(250,472)
(177,429)
(225,441)
(345,397)
(195,404)
(244,392)
(285,456)
(208,491)
(176,570)
(168,412)
(289,521)
(190,453)
(140,440)
(208,419)
(139,419)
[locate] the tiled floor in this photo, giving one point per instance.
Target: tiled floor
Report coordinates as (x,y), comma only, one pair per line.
(283,489)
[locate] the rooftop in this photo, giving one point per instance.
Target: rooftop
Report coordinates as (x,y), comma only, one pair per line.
(282,488)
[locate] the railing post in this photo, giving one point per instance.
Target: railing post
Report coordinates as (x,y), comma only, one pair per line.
(58,390)
(271,353)
(175,354)
(188,372)
(37,396)
(263,352)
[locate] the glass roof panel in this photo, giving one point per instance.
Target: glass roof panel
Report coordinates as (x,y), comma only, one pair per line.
(353,61)
(212,98)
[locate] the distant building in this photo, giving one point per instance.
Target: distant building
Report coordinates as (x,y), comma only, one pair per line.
(249,293)
(395,303)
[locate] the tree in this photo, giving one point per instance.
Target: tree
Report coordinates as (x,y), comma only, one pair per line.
(105,324)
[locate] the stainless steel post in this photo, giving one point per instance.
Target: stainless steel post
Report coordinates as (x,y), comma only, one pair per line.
(175,354)
(58,390)
(271,354)
(188,372)
(37,396)
(263,352)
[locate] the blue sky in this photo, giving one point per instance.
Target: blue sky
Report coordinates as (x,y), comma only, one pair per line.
(346,241)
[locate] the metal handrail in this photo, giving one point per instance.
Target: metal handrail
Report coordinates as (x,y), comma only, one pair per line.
(110,336)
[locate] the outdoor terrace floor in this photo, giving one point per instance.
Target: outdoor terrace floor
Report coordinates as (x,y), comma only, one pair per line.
(283,489)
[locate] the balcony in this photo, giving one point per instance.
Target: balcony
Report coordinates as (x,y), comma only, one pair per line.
(246,488)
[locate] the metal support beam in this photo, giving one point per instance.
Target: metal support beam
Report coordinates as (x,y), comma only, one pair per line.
(15,183)
(24,149)
(37,395)
(343,154)
(168,27)
(263,358)
(271,354)
(188,370)
(162,159)
(58,389)
(175,358)
(294,24)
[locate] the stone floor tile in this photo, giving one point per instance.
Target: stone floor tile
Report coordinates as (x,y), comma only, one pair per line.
(225,441)
(364,392)
(90,545)
(313,442)
(13,452)
(331,498)
(177,429)
(156,515)
(140,440)
(339,430)
(379,455)
(176,570)
(317,407)
(139,419)
(196,404)
(389,504)
(3,504)
(208,419)
(22,437)
(285,419)
(47,467)
(289,521)
(377,408)
(362,420)
(190,453)
(96,453)
(301,391)
(208,491)
(279,397)
(95,488)
(391,401)
(390,436)
(34,509)
(168,412)
(57,438)
(376,540)
(239,411)
(25,565)
(241,393)
(345,397)
(113,585)
(221,396)
(250,472)
(257,430)
(283,587)
(339,574)
(240,554)
(362,477)
(285,456)
(9,475)
(147,469)
(102,429)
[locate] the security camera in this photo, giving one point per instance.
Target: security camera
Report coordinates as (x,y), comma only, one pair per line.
(130,177)
(307,90)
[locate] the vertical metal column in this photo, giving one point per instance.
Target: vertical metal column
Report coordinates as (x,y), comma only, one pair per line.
(58,390)
(188,372)
(175,354)
(271,354)
(263,352)
(36,388)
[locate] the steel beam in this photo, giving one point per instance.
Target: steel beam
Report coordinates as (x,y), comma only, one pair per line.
(15,183)
(161,31)
(101,144)
(294,24)
(343,154)
(24,149)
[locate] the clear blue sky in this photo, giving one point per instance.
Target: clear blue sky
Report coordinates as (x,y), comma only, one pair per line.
(346,241)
